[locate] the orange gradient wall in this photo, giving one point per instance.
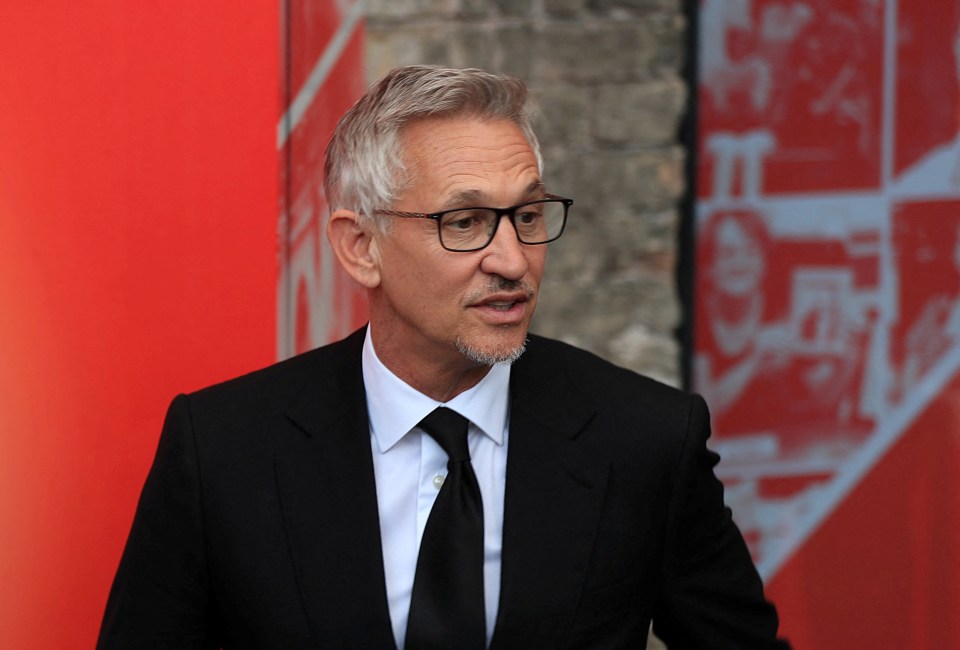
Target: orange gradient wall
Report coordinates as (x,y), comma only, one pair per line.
(138,258)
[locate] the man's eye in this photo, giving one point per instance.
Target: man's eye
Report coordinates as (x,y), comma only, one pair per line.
(466,220)
(463,223)
(528,217)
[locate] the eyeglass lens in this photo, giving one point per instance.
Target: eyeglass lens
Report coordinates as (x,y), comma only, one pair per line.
(472,228)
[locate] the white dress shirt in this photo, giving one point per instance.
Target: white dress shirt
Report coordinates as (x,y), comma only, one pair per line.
(409,467)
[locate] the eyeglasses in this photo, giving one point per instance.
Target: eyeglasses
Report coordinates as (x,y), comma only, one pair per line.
(470,229)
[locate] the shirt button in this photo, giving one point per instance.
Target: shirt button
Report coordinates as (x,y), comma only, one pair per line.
(438,481)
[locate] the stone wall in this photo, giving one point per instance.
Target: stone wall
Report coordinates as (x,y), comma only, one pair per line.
(607,77)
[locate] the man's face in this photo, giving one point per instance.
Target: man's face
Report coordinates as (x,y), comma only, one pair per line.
(454,308)
(738,266)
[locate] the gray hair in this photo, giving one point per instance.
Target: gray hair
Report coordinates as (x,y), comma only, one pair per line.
(364,169)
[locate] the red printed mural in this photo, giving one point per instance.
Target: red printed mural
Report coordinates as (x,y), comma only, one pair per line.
(317,301)
(827,331)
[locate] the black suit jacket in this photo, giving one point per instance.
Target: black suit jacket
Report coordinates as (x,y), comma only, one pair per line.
(258,527)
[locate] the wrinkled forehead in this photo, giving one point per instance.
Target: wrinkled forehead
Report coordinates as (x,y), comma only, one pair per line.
(467,155)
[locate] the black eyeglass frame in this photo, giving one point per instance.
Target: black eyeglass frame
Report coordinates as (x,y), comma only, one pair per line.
(500,212)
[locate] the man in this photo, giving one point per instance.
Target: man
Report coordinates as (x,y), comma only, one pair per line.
(291,508)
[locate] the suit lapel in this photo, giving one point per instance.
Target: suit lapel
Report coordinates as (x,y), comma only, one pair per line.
(325,480)
(553,497)
(328,498)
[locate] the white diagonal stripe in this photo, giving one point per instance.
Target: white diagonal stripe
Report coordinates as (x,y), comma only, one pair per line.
(893,427)
(298,107)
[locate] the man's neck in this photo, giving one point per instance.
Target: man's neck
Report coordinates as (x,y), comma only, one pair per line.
(439,379)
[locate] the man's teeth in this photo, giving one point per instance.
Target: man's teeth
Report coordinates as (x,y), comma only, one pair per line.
(501,304)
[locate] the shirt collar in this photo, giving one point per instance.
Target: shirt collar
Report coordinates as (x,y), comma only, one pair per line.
(395,407)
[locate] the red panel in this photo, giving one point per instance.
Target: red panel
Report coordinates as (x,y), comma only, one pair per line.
(884,562)
(319,302)
(827,315)
(137,259)
(926,68)
(809,75)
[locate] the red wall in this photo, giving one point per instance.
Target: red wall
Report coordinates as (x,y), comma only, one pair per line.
(138,203)
(827,312)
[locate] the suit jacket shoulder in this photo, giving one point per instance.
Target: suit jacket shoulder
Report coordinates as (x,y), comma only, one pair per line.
(271,391)
(260,487)
(665,546)
(628,405)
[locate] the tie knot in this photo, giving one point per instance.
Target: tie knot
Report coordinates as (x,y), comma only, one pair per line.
(449,429)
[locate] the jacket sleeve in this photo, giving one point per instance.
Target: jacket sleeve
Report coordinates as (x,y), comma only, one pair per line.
(160,596)
(712,595)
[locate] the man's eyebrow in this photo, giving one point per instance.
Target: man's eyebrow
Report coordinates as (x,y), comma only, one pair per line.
(478,198)
(464,199)
(536,188)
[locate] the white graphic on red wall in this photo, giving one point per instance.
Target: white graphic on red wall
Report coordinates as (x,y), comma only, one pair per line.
(929,69)
(790,95)
(827,311)
(928,234)
(317,301)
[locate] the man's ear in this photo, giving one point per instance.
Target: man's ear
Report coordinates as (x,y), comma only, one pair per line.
(355,247)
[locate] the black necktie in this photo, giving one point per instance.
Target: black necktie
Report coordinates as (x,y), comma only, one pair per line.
(447,608)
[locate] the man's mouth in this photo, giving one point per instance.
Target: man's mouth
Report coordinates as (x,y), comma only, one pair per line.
(503,309)
(503,301)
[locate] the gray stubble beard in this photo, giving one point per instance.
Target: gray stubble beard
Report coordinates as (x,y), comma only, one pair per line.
(497,283)
(490,359)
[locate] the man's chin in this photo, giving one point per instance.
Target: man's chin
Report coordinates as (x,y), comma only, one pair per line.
(491,355)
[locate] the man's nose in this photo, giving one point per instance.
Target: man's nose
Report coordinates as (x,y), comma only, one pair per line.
(504,256)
